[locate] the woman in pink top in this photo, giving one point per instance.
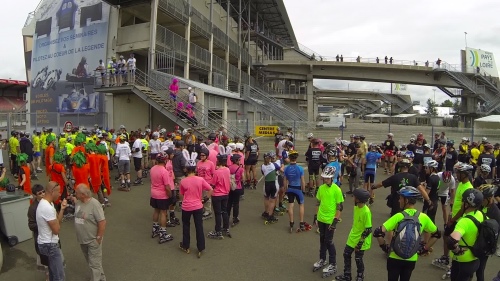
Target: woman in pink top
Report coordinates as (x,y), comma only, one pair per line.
(161,199)
(221,181)
(190,115)
(191,189)
(206,169)
(170,169)
(174,89)
(234,195)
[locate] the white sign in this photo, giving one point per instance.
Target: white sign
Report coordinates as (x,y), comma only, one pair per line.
(480,61)
(399,88)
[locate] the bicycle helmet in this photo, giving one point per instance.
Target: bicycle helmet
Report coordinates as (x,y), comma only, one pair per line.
(488,146)
(488,190)
(409,192)
(289,144)
(293,154)
(390,135)
(463,167)
(484,139)
(473,197)
(485,168)
(267,155)
(235,158)
(465,139)
(412,140)
(345,143)
(362,137)
(361,194)
(156,134)
(446,176)
(328,172)
(409,154)
(161,157)
(122,126)
(272,154)
(332,152)
(404,162)
(204,150)
(212,136)
(10,187)
(432,164)
(427,146)
(450,142)
(123,137)
(231,145)
(310,135)
(240,146)
(222,158)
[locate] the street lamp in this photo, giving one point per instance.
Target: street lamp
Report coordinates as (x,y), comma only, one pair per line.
(434,95)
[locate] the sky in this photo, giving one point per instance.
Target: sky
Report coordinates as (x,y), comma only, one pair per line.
(406,30)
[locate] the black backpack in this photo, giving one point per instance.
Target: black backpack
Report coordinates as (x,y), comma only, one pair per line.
(406,241)
(487,237)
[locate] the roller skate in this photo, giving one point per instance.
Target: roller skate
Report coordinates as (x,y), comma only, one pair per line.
(247,185)
(344,277)
(330,270)
(270,220)
(447,275)
(173,219)
(138,182)
(278,212)
(184,249)
(207,215)
(164,236)
(443,262)
(215,235)
(227,233)
(156,230)
(128,185)
(291,226)
(254,184)
(106,202)
(171,223)
(264,215)
(319,264)
(123,187)
(304,226)
(34,177)
(236,221)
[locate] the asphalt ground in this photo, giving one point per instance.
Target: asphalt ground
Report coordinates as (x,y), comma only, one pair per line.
(256,251)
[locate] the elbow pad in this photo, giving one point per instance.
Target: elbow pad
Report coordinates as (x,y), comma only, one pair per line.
(436,234)
(378,232)
(452,243)
(367,232)
(340,207)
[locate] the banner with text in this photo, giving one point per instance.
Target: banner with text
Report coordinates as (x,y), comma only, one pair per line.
(266,131)
(480,61)
(70,38)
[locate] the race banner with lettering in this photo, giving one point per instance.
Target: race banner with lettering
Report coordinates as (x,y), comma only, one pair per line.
(70,38)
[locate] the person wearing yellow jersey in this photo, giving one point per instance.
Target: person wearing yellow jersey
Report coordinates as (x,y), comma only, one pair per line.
(464,236)
(62,141)
(496,150)
(37,154)
(43,137)
(474,155)
(484,141)
(14,150)
(400,268)
(463,150)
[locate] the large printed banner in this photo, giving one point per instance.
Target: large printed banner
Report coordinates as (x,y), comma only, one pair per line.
(483,61)
(70,38)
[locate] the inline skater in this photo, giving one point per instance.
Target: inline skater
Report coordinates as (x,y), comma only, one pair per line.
(161,198)
(432,187)
(408,224)
(280,208)
(295,186)
(451,157)
(487,158)
(463,151)
(251,157)
(221,182)
(484,171)
(474,155)
(446,191)
(123,154)
(389,154)
(206,169)
(269,170)
(233,203)
(313,158)
(330,208)
(359,239)
(371,160)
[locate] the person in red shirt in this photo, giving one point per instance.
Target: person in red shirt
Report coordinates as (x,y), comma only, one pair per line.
(24,179)
(106,184)
(80,169)
(58,174)
(49,153)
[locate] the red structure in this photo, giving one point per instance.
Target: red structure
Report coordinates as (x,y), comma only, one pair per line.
(12,95)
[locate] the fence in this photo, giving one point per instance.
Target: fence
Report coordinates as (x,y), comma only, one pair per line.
(36,121)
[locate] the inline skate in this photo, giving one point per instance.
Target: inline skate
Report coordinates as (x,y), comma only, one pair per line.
(319,264)
(330,270)
(215,235)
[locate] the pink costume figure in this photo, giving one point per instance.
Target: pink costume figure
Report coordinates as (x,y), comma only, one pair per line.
(180,111)
(190,115)
(174,89)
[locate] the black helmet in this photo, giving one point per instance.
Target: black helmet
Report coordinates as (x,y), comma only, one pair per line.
(473,197)
(204,150)
(13,133)
(361,194)
(212,136)
(488,190)
(222,158)
(235,158)
(10,187)
(179,144)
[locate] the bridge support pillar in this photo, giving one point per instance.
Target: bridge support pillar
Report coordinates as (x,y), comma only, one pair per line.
(470,108)
(310,99)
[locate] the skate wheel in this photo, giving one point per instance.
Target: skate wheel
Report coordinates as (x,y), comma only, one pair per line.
(266,222)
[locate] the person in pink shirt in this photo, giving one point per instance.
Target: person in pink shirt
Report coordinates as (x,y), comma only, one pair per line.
(221,182)
(236,151)
(174,89)
(190,115)
(234,195)
(170,169)
(160,199)
(191,189)
(206,169)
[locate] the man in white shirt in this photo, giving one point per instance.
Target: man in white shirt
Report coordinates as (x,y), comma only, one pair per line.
(137,148)
(192,97)
(49,225)
(123,153)
(154,147)
(131,63)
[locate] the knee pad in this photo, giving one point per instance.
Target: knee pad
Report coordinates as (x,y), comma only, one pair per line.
(347,252)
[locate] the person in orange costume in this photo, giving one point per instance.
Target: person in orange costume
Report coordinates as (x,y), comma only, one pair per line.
(80,169)
(79,144)
(24,179)
(103,160)
(95,168)
(58,174)
(49,153)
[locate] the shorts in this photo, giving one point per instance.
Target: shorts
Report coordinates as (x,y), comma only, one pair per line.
(444,199)
(137,163)
(37,154)
(161,204)
(173,96)
(270,190)
(124,167)
(370,175)
(251,162)
(295,193)
(313,170)
(152,156)
(177,181)
(280,181)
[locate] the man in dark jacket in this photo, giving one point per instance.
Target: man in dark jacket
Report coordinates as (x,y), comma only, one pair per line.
(26,146)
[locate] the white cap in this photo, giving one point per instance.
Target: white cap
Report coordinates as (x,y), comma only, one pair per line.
(189,88)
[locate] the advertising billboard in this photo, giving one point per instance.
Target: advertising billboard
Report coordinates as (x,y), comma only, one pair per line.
(480,61)
(70,38)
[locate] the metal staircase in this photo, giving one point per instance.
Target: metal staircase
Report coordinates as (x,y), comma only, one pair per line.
(394,100)
(272,106)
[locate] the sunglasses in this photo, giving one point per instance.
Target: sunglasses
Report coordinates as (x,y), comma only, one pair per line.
(202,155)
(40,192)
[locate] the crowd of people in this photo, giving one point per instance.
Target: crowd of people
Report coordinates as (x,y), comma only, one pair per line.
(207,177)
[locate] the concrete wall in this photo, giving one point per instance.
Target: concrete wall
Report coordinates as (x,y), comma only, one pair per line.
(133,37)
(292,55)
(159,119)
(122,112)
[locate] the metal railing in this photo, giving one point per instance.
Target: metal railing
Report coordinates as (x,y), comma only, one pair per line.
(178,9)
(167,40)
(219,65)
(220,38)
(234,73)
(199,57)
(200,24)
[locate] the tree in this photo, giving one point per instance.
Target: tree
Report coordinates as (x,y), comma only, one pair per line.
(447,103)
(431,108)
(456,106)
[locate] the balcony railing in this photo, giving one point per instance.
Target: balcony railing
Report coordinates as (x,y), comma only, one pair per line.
(178,9)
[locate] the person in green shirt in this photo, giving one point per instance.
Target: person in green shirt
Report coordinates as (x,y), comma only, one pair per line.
(268,170)
(463,172)
(359,239)
(43,138)
(397,267)
(14,150)
(62,142)
(330,208)
(37,155)
(465,234)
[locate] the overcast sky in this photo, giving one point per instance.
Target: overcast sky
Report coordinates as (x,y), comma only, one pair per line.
(406,30)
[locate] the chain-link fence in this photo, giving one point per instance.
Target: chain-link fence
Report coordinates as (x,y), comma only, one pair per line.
(36,121)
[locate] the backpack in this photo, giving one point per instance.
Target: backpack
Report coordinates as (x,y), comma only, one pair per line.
(232,180)
(406,241)
(487,237)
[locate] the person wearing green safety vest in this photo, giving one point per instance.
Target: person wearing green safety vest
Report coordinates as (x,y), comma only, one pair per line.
(111,67)
(145,158)
(62,141)
(68,148)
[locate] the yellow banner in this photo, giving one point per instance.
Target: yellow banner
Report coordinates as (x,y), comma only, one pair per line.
(266,131)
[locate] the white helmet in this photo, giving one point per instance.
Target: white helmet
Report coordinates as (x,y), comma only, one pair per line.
(485,168)
(345,143)
(156,134)
(122,126)
(432,164)
(310,135)
(390,135)
(240,146)
(465,139)
(189,88)
(484,139)
(328,172)
(232,145)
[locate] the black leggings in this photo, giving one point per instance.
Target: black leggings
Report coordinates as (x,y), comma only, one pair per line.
(358,257)
(399,270)
(219,204)
(326,243)
(463,271)
(480,270)
(198,225)
(234,202)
